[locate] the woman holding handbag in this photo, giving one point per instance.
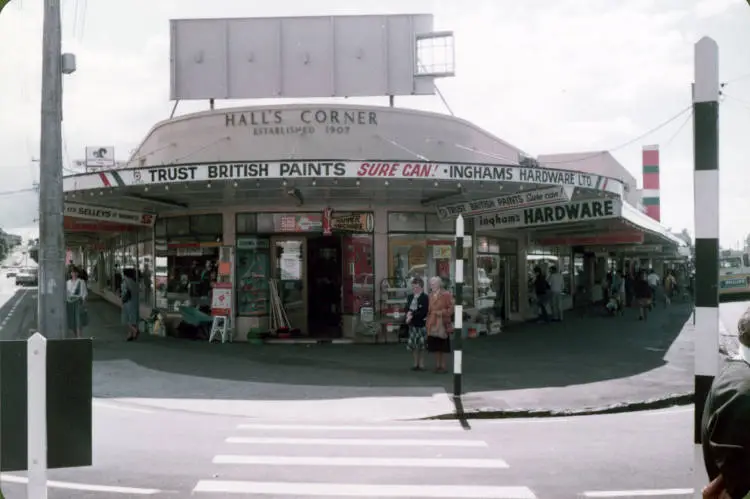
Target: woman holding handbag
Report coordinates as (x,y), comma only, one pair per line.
(76,293)
(439,325)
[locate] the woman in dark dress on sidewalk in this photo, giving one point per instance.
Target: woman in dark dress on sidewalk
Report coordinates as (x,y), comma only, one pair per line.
(643,295)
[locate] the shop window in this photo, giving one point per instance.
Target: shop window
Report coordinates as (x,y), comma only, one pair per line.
(246,223)
(253,270)
(406,222)
(207,225)
(359,272)
(186,273)
(178,227)
(426,256)
(497,277)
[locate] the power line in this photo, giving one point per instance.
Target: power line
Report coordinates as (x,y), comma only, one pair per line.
(677,132)
(17,191)
(624,144)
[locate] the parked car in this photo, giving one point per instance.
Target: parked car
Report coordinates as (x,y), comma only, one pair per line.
(27,277)
(11,273)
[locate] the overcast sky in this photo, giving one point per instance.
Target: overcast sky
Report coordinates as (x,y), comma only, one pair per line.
(547,76)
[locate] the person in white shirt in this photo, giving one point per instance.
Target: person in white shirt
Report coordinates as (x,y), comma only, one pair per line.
(556,284)
(76,293)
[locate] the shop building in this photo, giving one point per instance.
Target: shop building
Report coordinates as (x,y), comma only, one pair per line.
(337,207)
(335,230)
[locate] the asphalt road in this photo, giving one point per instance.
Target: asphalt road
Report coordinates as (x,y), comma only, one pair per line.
(141,452)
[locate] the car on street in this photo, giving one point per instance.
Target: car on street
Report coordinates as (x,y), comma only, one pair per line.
(27,277)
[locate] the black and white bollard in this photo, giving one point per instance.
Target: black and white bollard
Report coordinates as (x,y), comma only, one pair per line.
(706,200)
(458,311)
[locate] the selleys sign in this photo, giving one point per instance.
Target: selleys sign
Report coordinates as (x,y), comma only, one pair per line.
(579,211)
(508,202)
(103,214)
(301,121)
(321,170)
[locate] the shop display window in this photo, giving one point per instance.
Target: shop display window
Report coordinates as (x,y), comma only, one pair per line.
(359,272)
(544,259)
(186,261)
(253,268)
(429,255)
(497,276)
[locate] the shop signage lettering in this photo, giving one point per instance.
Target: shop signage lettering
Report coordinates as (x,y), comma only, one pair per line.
(510,201)
(322,169)
(306,121)
(592,209)
(358,222)
(104,214)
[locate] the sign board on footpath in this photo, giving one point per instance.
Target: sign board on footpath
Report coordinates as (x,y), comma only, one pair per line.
(519,200)
(579,211)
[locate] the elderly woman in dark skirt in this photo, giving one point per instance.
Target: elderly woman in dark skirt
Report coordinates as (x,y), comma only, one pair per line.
(417,305)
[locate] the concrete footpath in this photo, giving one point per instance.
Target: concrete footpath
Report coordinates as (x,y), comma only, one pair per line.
(583,365)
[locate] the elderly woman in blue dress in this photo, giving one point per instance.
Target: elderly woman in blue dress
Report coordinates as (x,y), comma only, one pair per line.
(76,294)
(130,307)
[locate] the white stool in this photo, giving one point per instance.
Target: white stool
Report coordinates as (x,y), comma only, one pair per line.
(220,327)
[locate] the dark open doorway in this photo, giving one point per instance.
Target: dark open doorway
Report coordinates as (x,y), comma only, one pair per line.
(324,269)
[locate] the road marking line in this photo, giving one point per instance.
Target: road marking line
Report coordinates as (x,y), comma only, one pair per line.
(639,493)
(118,407)
(362,461)
(373,428)
(369,442)
(529,420)
(87,487)
(300,489)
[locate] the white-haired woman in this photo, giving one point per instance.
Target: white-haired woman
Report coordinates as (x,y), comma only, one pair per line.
(439,325)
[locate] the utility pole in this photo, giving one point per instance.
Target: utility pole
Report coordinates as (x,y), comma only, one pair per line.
(706,212)
(51,302)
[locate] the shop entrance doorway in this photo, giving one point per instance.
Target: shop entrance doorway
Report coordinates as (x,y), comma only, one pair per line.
(324,284)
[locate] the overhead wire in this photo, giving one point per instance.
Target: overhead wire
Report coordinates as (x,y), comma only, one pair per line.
(624,144)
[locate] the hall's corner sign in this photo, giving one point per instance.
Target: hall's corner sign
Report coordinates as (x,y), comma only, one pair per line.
(579,211)
(352,222)
(301,121)
(516,201)
(334,169)
(109,215)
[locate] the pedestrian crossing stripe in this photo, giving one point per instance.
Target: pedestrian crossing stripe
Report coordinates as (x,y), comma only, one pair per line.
(367,442)
(452,463)
(453,427)
(301,489)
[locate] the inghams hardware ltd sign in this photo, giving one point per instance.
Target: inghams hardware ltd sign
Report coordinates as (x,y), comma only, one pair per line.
(581,211)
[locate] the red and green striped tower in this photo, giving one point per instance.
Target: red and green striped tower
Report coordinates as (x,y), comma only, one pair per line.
(651,197)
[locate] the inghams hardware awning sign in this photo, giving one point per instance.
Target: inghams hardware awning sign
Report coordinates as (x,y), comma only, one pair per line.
(579,211)
(527,199)
(340,170)
(114,215)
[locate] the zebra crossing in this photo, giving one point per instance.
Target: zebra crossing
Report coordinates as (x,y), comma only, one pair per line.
(394,460)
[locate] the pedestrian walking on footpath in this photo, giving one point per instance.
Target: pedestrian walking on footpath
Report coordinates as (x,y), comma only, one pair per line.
(725,429)
(439,325)
(653,282)
(130,307)
(643,295)
(76,294)
(417,306)
(670,285)
(556,285)
(541,289)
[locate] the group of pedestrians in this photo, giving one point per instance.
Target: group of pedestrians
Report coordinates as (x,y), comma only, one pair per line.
(429,319)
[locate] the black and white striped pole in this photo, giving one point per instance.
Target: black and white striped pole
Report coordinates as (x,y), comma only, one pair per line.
(458,311)
(706,200)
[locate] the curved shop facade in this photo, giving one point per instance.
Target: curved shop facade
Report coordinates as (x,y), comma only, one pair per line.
(342,205)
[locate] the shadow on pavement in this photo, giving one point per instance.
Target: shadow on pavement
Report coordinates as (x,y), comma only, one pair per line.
(577,351)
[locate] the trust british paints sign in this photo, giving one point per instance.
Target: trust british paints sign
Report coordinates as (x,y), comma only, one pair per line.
(425,171)
(579,211)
